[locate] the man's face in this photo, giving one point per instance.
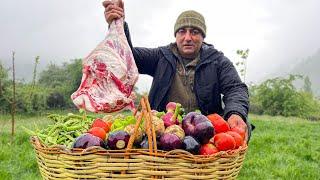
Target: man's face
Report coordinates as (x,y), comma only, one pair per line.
(189,41)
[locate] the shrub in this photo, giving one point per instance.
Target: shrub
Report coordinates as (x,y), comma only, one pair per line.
(56,100)
(279,96)
(31,100)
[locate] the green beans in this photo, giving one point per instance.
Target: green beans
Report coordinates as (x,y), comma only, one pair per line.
(64,130)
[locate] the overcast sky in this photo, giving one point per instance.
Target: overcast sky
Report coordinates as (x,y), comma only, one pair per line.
(277,32)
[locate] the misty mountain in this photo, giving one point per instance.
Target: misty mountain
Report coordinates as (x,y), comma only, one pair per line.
(310,67)
(24,69)
(307,67)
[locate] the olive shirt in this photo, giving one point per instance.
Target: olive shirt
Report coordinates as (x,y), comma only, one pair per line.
(181,90)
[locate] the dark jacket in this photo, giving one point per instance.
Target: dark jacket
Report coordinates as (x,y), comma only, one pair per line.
(215,75)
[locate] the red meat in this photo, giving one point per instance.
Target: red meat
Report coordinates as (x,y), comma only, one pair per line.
(109,74)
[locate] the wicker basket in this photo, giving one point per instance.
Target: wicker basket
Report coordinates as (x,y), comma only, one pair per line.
(97,163)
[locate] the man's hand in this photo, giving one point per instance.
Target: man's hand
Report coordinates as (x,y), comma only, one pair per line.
(235,121)
(113,10)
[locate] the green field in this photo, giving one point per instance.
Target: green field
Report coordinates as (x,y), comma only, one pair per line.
(280,148)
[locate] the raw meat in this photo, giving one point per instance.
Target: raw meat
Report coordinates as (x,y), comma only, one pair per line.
(109,74)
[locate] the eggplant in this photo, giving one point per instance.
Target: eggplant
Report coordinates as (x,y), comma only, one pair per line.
(87,140)
(118,140)
(144,143)
(191,145)
(198,126)
(170,141)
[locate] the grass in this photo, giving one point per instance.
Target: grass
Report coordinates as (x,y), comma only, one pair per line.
(280,148)
(283,148)
(17,157)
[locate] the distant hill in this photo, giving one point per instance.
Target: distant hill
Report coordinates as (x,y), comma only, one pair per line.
(307,67)
(310,67)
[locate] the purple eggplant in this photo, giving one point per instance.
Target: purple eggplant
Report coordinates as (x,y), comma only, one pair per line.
(197,125)
(170,141)
(191,145)
(118,140)
(87,140)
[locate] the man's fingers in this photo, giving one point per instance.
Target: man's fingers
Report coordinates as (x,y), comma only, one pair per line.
(233,122)
(121,4)
(236,120)
(113,7)
(106,3)
(114,11)
(113,14)
(111,17)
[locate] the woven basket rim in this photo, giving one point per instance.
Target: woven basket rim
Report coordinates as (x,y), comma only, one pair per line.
(177,153)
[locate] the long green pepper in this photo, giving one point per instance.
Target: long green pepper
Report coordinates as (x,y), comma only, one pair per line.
(65,130)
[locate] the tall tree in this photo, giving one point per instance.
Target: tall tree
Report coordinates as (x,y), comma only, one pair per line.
(34,75)
(75,73)
(307,85)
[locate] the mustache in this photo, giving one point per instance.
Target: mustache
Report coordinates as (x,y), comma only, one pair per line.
(188,44)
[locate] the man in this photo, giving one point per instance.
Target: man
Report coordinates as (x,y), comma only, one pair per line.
(190,71)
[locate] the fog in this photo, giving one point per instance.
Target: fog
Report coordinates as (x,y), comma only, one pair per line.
(279,34)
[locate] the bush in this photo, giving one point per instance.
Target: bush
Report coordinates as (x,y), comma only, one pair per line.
(56,100)
(256,108)
(279,96)
(4,95)
(63,79)
(29,100)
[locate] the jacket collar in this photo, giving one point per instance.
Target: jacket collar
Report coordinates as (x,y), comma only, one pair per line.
(208,50)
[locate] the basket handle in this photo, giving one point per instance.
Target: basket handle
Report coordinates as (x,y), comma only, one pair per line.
(35,141)
(149,124)
(150,130)
(135,132)
(146,113)
(178,151)
(154,137)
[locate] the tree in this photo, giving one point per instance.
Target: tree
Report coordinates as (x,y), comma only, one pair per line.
(75,74)
(34,75)
(54,76)
(3,79)
(307,85)
(242,64)
(4,85)
(279,96)
(63,80)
